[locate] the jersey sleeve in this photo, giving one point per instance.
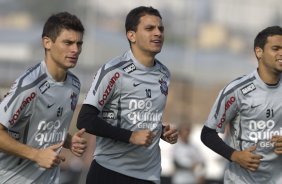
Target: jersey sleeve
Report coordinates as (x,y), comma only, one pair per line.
(16,105)
(103,87)
(224,110)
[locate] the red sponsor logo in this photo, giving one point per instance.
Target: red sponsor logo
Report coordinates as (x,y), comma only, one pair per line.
(22,106)
(227,106)
(109,88)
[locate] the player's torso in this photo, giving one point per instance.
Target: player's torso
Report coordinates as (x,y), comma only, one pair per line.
(260,112)
(132,97)
(37,111)
(139,98)
(43,109)
(260,115)
(52,113)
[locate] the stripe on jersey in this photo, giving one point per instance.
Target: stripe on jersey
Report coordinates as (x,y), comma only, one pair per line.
(224,94)
(162,68)
(21,89)
(75,81)
(105,71)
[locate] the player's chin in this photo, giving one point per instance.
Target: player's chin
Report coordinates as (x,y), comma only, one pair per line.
(72,63)
(70,66)
(156,51)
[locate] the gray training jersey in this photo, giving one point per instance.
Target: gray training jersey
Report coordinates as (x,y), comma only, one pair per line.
(37,112)
(130,96)
(253,110)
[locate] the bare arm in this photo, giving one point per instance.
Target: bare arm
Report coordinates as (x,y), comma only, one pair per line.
(11,146)
(46,158)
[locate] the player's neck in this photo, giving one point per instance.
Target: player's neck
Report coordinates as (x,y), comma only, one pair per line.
(57,73)
(146,59)
(269,78)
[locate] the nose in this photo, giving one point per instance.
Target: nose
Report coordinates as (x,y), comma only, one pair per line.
(280,52)
(75,48)
(158,32)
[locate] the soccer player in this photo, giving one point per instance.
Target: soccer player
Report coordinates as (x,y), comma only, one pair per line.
(125,104)
(251,107)
(35,115)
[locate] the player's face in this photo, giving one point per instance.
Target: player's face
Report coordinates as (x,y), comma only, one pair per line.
(271,55)
(149,35)
(64,52)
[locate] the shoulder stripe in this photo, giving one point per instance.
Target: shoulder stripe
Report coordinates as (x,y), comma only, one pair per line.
(21,89)
(105,71)
(72,75)
(75,80)
(225,93)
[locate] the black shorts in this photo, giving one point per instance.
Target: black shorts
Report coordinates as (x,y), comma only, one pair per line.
(101,175)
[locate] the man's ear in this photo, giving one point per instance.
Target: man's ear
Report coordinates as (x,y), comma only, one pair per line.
(131,36)
(47,42)
(258,52)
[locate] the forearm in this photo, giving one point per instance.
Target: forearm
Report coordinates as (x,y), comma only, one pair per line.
(211,139)
(88,119)
(13,147)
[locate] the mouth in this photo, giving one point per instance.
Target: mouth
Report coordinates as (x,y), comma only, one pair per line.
(157,42)
(73,59)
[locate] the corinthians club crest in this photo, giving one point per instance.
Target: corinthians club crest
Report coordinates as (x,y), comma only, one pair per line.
(74,100)
(163,87)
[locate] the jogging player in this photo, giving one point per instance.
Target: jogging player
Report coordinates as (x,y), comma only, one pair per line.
(251,106)
(35,115)
(125,104)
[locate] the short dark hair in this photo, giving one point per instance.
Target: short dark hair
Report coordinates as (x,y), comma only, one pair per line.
(133,17)
(262,36)
(63,20)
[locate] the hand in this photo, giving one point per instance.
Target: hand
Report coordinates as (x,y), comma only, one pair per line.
(247,159)
(142,137)
(170,135)
(48,157)
(78,143)
(277,140)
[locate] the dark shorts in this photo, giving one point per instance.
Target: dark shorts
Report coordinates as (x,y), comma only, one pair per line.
(101,175)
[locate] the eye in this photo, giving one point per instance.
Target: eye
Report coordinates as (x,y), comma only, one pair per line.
(79,44)
(276,48)
(161,29)
(149,28)
(68,42)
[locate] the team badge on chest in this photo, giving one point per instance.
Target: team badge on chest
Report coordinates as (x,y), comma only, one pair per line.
(74,99)
(163,87)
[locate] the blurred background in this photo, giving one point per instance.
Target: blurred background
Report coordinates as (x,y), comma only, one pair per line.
(207,44)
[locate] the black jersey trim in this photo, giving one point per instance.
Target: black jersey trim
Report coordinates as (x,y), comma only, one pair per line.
(25,136)
(119,113)
(225,93)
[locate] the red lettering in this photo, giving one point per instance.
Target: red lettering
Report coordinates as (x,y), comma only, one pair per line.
(109,88)
(22,106)
(228,104)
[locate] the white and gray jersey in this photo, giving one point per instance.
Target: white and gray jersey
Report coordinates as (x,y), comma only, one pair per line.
(253,110)
(37,112)
(130,96)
